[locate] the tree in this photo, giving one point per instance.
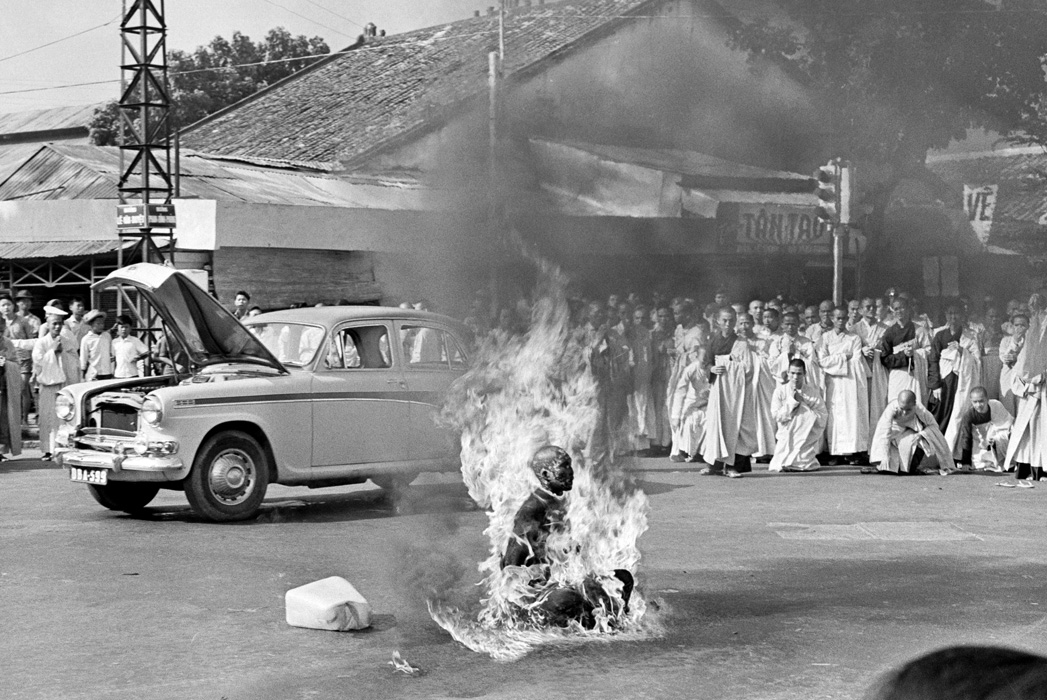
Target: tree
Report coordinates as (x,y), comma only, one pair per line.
(219,74)
(895,78)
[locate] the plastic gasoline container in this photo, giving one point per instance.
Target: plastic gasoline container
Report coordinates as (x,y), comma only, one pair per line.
(328,604)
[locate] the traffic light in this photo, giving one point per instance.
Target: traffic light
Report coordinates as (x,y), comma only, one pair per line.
(827,176)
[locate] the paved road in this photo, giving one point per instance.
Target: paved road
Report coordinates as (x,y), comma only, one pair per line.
(773,586)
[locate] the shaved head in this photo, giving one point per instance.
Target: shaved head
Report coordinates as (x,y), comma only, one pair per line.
(907,399)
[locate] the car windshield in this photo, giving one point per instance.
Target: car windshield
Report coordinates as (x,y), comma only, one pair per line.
(294,344)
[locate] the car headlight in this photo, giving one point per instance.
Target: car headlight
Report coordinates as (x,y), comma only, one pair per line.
(64,407)
(152,411)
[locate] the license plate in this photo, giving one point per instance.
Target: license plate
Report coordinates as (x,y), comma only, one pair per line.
(89,476)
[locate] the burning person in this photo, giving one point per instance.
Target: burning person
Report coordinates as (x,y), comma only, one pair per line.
(542,513)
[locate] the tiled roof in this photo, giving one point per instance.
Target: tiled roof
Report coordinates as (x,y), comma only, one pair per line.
(354,103)
(1021,174)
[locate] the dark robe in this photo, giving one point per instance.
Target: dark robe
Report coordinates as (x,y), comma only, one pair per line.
(719,345)
(893,337)
(942,409)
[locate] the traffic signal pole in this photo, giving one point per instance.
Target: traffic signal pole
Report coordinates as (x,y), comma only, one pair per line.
(834,204)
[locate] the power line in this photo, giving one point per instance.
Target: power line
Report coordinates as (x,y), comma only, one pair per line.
(351,21)
(307,19)
(58,41)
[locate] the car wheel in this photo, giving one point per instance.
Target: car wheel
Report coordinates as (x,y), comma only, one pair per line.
(394,483)
(229,478)
(122,496)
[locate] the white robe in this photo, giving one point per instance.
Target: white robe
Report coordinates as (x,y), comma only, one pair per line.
(730,419)
(966,361)
(800,428)
(689,404)
(689,346)
(782,349)
(846,392)
(763,385)
(642,419)
(1007,345)
(1029,436)
(893,443)
(871,334)
(997,432)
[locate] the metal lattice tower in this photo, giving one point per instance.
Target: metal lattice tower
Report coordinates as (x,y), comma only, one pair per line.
(145,150)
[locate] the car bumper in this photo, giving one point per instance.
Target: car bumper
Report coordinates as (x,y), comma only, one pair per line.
(125,467)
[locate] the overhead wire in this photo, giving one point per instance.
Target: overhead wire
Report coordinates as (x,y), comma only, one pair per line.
(326,9)
(307,19)
(429,40)
(59,41)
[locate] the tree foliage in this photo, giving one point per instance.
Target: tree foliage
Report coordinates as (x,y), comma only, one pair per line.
(895,78)
(219,74)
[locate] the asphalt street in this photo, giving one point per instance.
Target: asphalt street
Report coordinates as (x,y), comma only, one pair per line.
(798,586)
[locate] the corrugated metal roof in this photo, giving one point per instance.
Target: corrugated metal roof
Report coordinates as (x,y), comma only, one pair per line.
(677,161)
(47,119)
(22,250)
(62,171)
(361,100)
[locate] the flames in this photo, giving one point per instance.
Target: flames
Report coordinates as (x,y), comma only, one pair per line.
(531,392)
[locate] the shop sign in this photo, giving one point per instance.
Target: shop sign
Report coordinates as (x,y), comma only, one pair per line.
(771,228)
(979,202)
(132,216)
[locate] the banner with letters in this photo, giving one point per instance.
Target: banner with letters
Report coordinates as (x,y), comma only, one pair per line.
(771,228)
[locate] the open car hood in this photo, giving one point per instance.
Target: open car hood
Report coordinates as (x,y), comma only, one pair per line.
(207,331)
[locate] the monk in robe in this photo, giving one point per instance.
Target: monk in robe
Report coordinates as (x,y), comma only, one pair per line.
(870,329)
(689,404)
(772,325)
(801,415)
(1010,348)
(607,358)
(991,337)
(905,434)
(543,513)
(985,429)
(846,398)
(663,349)
(763,385)
(1027,451)
(641,399)
(730,419)
(954,367)
(825,321)
(689,346)
(903,353)
(793,345)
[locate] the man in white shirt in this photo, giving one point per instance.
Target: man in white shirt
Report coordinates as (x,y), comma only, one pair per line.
(96,349)
(127,350)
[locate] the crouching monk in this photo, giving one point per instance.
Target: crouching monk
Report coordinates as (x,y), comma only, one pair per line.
(540,515)
(905,434)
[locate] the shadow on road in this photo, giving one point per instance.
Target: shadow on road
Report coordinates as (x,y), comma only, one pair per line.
(319,507)
(23,464)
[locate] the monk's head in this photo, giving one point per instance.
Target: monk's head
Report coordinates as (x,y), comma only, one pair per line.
(797,373)
(790,323)
(839,319)
(744,325)
(955,317)
(979,399)
(771,319)
(907,403)
(552,466)
(725,320)
(902,310)
(825,312)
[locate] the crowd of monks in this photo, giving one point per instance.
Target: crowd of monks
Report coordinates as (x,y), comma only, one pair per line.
(873,383)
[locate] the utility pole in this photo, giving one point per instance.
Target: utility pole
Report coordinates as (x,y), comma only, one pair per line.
(145,214)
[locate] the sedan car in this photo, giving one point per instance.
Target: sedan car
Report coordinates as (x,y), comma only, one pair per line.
(307,397)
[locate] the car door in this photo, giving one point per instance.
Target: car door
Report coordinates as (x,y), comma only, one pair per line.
(433,358)
(360,411)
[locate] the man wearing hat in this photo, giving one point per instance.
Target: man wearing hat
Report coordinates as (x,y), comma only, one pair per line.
(24,301)
(96,349)
(16,329)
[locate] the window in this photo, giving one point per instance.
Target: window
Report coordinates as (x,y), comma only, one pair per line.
(359,347)
(431,348)
(294,344)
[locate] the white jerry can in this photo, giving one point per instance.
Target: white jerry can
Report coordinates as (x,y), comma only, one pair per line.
(328,604)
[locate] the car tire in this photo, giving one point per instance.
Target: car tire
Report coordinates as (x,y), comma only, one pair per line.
(123,496)
(229,478)
(394,483)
